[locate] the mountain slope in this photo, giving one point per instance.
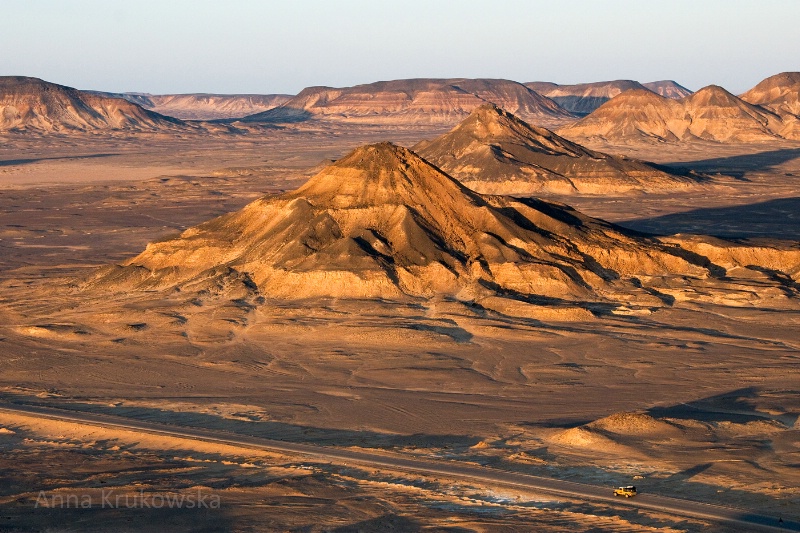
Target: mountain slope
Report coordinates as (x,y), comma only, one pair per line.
(781,95)
(31,104)
(417,101)
(668,89)
(717,114)
(711,113)
(383,223)
(203,106)
(583,98)
(494,152)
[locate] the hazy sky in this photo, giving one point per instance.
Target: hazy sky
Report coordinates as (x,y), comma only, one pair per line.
(230,46)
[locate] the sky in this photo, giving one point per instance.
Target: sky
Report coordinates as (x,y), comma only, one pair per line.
(250,46)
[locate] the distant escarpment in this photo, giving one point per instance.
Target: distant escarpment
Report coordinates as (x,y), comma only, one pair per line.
(203,106)
(584,98)
(417,101)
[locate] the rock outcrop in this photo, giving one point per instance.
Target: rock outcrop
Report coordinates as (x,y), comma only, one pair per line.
(384,223)
(418,101)
(711,114)
(31,104)
(494,152)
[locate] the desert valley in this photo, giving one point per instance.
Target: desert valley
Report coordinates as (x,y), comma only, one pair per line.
(595,284)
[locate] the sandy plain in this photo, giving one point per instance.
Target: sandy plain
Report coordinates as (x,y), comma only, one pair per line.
(698,401)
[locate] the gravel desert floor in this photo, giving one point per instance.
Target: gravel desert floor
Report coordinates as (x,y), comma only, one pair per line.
(699,399)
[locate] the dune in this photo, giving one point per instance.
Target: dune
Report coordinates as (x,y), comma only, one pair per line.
(583,437)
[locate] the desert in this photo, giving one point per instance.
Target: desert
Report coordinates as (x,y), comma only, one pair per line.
(420,304)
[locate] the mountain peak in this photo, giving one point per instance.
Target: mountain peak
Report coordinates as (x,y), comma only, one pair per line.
(495,152)
(490,120)
(489,111)
(379,174)
(383,223)
(716,98)
(489,125)
(779,80)
(780,94)
(376,154)
(714,91)
(668,89)
(634,96)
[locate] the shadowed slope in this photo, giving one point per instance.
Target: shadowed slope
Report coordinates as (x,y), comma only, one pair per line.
(716,114)
(494,152)
(583,98)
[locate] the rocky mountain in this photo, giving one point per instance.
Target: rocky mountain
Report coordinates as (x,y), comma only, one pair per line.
(31,104)
(494,152)
(668,89)
(583,98)
(144,100)
(416,101)
(711,113)
(781,95)
(384,223)
(202,106)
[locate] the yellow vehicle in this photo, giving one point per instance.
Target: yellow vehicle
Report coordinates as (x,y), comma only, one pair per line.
(628,492)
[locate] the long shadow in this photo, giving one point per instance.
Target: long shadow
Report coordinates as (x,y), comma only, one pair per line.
(279,115)
(737,406)
(24,517)
(690,472)
(14,162)
(257,428)
(739,165)
(779,219)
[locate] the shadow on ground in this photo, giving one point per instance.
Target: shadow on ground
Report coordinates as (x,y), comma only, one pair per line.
(740,165)
(18,162)
(779,219)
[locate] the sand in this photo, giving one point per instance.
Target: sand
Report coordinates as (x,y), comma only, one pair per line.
(712,382)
